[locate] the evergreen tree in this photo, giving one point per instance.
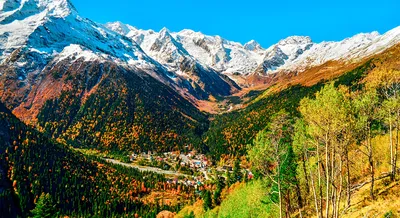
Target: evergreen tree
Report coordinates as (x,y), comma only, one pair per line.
(190,215)
(273,157)
(207,201)
(218,191)
(237,175)
(44,207)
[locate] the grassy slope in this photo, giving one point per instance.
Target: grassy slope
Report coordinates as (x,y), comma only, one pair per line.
(241,200)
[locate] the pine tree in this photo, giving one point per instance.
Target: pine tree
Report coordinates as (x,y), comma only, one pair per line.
(190,215)
(237,175)
(44,207)
(207,201)
(273,157)
(218,191)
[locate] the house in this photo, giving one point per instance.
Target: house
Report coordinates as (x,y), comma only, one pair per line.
(250,175)
(133,157)
(197,164)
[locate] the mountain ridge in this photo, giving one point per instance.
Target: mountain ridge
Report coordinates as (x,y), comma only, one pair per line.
(306,54)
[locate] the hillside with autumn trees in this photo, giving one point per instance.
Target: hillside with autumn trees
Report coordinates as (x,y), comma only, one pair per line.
(336,139)
(108,120)
(37,169)
(327,150)
(110,108)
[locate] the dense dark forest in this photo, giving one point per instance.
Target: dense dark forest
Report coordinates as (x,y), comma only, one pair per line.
(33,167)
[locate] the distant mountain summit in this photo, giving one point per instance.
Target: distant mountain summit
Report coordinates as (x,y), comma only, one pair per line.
(252,45)
(38,35)
(293,54)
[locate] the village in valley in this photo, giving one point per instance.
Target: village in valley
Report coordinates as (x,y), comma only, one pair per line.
(191,168)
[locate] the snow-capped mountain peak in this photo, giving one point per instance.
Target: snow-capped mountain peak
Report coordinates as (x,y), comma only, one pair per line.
(165,49)
(40,30)
(164,31)
(293,53)
(284,52)
(123,29)
(252,45)
(13,10)
(352,48)
(295,40)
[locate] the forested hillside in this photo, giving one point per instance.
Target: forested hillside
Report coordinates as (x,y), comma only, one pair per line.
(32,166)
(110,108)
(329,150)
(230,133)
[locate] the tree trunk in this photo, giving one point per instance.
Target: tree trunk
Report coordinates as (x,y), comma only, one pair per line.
(393,175)
(319,182)
(279,179)
(339,195)
(312,181)
(327,176)
(348,190)
(288,205)
(396,148)
(305,173)
(280,197)
(371,163)
(315,196)
(299,198)
(333,180)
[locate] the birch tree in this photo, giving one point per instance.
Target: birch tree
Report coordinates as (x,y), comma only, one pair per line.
(366,106)
(328,123)
(273,157)
(387,81)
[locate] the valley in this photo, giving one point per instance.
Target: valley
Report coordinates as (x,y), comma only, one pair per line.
(110,120)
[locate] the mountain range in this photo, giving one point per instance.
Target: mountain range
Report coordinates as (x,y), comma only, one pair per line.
(36,35)
(293,54)
(49,53)
(47,49)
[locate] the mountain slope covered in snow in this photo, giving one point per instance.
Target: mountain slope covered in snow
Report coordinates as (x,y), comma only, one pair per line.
(74,78)
(35,35)
(38,34)
(293,54)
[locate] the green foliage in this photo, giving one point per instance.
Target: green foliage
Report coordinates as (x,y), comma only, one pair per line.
(273,157)
(230,133)
(236,174)
(123,113)
(230,180)
(388,214)
(327,113)
(247,201)
(80,185)
(190,215)
(220,183)
(56,75)
(45,207)
(207,201)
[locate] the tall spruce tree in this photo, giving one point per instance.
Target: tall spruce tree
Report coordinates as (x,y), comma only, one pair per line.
(45,207)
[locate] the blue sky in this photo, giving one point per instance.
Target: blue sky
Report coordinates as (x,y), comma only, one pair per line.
(265,21)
